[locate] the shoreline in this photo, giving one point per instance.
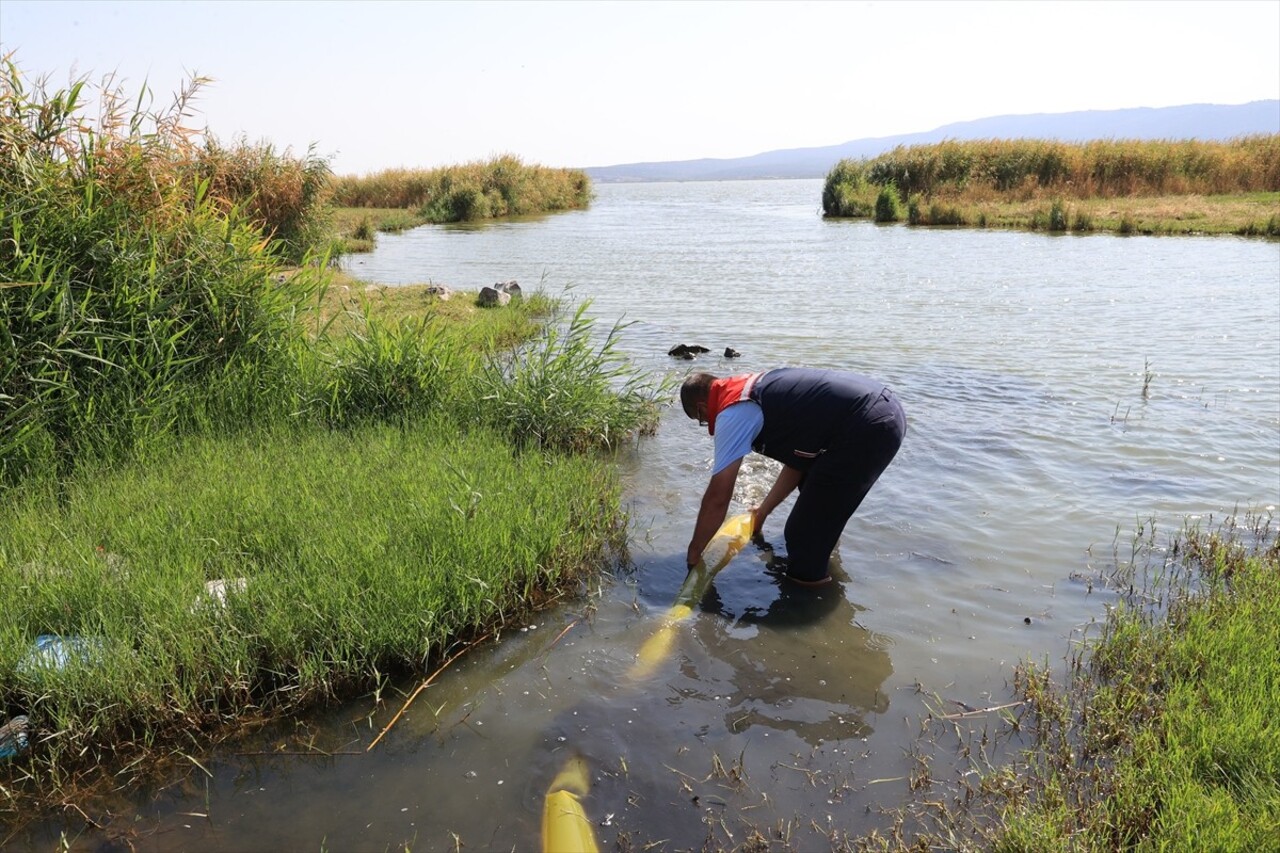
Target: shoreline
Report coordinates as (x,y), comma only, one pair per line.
(1241,215)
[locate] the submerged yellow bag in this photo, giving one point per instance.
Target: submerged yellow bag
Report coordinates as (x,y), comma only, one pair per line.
(565,826)
(732,536)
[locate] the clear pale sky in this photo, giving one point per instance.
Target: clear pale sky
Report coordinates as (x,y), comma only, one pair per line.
(379,85)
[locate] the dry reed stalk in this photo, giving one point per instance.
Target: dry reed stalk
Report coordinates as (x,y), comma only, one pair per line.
(423,686)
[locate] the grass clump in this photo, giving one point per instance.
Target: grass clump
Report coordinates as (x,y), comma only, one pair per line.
(888,204)
(1058,216)
(567,390)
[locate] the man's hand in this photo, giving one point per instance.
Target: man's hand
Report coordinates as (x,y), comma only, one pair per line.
(787,481)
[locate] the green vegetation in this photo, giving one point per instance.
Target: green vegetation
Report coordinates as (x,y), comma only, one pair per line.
(846,191)
(503,186)
(342,557)
(888,204)
(1160,187)
(132,290)
(190,397)
(403,198)
(357,228)
(1167,736)
(347,305)
(139,303)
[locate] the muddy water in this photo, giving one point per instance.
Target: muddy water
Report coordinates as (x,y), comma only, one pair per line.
(1033,453)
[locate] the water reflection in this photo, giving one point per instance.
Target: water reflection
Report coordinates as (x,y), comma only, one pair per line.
(762,658)
(803,663)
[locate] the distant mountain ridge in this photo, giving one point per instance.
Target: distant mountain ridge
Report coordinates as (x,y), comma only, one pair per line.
(1193,121)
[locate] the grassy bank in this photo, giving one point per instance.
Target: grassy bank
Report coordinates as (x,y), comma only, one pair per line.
(1117,186)
(357,228)
(347,305)
(1167,734)
(342,557)
(423,495)
(396,199)
(234,483)
(144,295)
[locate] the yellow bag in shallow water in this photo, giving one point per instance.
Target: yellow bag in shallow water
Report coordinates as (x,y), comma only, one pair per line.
(565,827)
(732,536)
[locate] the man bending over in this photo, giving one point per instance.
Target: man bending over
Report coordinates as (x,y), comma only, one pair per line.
(833,432)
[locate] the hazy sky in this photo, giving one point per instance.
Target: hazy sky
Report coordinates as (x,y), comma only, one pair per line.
(387,84)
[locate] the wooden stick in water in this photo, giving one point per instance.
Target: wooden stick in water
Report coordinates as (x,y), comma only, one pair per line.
(423,686)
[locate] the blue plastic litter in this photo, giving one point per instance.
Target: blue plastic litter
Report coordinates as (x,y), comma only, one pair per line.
(54,652)
(13,738)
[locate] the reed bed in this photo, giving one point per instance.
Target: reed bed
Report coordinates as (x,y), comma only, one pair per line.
(502,186)
(285,197)
(1029,183)
(137,272)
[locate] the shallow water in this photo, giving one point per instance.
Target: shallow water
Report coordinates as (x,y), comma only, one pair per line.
(1033,453)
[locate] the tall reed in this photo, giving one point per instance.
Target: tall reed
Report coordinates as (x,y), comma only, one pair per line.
(286,197)
(846,192)
(568,389)
(128,287)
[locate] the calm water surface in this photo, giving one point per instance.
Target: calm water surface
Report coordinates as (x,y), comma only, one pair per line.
(1033,453)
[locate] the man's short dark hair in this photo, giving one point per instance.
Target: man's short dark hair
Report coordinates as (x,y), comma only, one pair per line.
(696,389)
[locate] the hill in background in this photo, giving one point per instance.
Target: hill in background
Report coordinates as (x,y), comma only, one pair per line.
(1194,121)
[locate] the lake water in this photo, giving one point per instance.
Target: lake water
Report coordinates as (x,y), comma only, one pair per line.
(1060,391)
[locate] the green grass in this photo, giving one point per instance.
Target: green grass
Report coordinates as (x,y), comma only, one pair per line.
(348,304)
(357,227)
(1200,769)
(362,552)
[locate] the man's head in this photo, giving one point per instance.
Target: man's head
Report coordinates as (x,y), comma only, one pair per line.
(694,394)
